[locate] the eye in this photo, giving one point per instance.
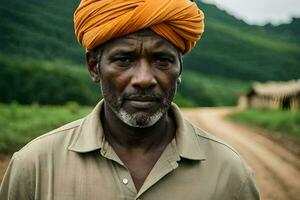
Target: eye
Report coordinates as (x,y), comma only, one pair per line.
(123,61)
(163,61)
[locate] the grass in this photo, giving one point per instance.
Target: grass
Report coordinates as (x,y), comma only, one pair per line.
(19,124)
(205,90)
(286,123)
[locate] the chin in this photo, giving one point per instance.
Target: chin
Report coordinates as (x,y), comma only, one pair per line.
(139,120)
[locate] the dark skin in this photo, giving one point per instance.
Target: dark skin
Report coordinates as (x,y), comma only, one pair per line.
(147,67)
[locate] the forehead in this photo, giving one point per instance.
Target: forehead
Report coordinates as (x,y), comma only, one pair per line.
(143,39)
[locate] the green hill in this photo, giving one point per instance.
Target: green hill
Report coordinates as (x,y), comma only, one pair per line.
(39,29)
(38,34)
(233,49)
(291,30)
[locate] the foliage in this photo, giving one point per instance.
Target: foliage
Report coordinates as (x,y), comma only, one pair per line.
(20,124)
(39,30)
(285,122)
(231,48)
(27,81)
(205,90)
(184,101)
(292,29)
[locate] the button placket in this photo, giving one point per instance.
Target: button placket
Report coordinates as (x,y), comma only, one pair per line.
(125,181)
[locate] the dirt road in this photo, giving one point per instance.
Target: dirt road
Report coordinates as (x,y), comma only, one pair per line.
(277,170)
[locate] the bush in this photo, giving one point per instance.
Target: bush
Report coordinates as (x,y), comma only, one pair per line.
(19,124)
(287,123)
(27,81)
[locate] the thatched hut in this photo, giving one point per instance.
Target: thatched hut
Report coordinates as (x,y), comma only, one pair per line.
(273,95)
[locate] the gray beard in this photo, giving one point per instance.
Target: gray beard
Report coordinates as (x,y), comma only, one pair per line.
(134,121)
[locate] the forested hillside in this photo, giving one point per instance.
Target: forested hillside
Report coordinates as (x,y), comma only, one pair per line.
(39,29)
(233,49)
(38,36)
(290,31)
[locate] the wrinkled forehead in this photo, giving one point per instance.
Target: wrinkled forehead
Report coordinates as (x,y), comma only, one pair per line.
(143,39)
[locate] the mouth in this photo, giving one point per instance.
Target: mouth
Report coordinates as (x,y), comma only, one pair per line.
(142,102)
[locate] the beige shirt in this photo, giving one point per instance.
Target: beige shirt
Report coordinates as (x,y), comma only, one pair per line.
(75,162)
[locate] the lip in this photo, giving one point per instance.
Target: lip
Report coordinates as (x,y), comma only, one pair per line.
(142,103)
(142,98)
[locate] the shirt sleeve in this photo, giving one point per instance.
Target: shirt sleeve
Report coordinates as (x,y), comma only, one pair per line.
(15,184)
(248,190)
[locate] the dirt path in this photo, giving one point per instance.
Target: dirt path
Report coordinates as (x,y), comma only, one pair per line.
(276,169)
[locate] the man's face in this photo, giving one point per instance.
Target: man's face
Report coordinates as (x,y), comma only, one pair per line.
(138,75)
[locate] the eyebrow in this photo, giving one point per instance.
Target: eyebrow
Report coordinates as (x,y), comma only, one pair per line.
(162,48)
(164,54)
(120,51)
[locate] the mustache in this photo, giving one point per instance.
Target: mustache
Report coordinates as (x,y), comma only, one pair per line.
(143,95)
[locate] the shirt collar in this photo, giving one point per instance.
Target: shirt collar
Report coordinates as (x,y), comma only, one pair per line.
(187,141)
(90,135)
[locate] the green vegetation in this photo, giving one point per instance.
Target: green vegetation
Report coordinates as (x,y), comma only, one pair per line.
(205,90)
(230,48)
(41,61)
(20,124)
(42,30)
(291,30)
(287,123)
(27,81)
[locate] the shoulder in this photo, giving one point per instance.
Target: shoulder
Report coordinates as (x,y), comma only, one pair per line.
(37,161)
(219,152)
(210,141)
(53,141)
(215,142)
(223,160)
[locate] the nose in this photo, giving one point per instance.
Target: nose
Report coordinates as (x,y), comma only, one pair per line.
(143,76)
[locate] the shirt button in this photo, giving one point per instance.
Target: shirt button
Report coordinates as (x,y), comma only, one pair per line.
(125,181)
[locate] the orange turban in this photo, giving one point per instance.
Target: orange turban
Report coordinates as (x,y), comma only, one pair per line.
(178,21)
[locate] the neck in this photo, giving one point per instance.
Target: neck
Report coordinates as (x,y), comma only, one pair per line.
(121,135)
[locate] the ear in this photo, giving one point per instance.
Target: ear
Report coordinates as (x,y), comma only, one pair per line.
(93,66)
(180,56)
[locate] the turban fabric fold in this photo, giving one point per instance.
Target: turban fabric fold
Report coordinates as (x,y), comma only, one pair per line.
(180,22)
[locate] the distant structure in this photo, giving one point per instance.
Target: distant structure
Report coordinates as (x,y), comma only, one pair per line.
(272,95)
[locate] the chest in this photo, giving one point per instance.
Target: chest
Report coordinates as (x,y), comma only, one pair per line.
(139,167)
(105,179)
(139,171)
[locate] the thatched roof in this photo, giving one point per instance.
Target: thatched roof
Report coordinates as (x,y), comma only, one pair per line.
(289,88)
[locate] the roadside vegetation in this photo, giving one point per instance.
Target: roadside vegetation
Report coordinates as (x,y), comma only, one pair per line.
(19,124)
(284,122)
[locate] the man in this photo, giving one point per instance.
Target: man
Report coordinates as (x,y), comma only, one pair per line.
(135,144)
